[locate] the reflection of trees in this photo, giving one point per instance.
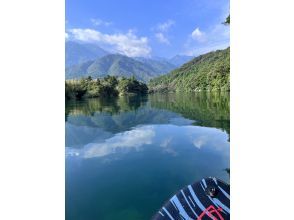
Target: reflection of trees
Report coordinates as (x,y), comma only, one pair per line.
(123,113)
(104,105)
(116,115)
(131,103)
(89,106)
(207,109)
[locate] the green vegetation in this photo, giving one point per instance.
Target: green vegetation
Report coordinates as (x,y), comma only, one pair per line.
(131,85)
(109,86)
(209,72)
(227,22)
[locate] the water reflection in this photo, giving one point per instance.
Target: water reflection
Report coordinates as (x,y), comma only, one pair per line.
(169,138)
(126,156)
(206,109)
(97,119)
(90,120)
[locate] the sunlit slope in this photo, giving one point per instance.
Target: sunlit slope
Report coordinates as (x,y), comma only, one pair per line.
(210,71)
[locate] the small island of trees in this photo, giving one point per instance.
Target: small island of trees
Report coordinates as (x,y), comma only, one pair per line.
(110,86)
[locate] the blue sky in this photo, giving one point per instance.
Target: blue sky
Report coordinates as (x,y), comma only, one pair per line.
(149,27)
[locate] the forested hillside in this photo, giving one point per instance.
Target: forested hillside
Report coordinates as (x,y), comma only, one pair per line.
(210,71)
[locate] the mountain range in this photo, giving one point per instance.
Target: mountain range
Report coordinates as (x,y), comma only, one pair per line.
(90,60)
(77,53)
(119,65)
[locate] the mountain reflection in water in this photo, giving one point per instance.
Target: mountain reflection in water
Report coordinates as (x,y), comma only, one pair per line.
(126,156)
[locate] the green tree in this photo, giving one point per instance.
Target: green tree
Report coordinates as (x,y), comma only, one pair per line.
(227,22)
(111,80)
(109,86)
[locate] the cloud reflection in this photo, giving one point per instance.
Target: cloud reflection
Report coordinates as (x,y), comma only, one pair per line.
(122,141)
(199,141)
(171,139)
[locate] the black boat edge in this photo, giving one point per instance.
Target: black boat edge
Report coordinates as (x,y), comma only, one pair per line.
(208,198)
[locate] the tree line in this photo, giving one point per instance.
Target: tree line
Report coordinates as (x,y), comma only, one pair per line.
(109,86)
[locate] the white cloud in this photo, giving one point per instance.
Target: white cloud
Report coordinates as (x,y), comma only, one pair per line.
(161,30)
(66,36)
(128,44)
(165,26)
(198,35)
(99,22)
(87,35)
(215,38)
(161,38)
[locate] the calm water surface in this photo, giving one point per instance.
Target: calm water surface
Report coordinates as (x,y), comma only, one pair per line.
(126,156)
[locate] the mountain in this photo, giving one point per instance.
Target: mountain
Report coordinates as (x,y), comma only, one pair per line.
(77,53)
(159,66)
(118,65)
(179,60)
(157,58)
(210,71)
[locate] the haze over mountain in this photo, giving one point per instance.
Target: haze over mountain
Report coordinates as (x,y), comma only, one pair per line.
(77,53)
(119,65)
(84,59)
(179,60)
(160,66)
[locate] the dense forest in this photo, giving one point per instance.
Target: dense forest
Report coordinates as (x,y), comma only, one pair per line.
(109,86)
(210,72)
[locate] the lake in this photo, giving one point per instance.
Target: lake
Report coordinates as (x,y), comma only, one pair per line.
(126,156)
